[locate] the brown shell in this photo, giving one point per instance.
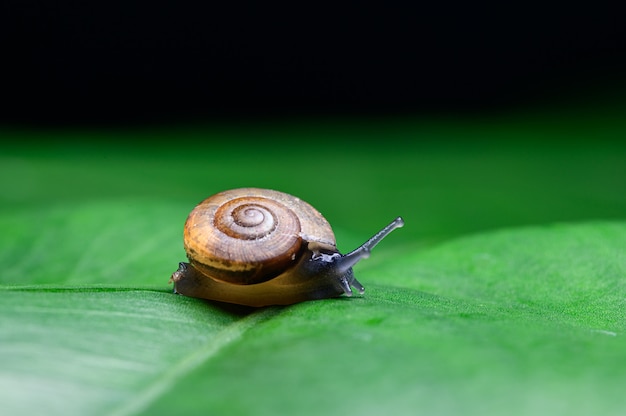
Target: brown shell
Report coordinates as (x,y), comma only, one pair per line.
(250,235)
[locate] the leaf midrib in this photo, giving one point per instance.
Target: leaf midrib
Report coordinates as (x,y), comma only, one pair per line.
(188,363)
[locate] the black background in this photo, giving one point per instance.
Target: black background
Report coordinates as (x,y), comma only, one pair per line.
(127,62)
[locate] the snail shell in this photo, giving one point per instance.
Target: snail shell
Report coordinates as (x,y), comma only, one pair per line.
(262,247)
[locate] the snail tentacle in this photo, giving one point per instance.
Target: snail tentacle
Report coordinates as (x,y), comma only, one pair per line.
(347,261)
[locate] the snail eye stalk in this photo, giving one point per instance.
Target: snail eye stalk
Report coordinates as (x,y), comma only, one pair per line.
(345,262)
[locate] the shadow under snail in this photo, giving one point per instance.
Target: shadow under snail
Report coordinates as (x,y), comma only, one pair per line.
(260,247)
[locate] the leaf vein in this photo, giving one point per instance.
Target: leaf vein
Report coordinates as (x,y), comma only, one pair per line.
(168,379)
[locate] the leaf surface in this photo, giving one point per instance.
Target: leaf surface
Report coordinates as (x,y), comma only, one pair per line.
(515,321)
(521,320)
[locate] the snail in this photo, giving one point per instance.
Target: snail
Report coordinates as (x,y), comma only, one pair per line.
(260,247)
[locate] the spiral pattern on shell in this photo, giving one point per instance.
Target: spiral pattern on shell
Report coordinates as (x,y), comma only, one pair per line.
(250,235)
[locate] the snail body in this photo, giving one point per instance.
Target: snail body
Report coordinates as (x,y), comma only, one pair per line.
(261,247)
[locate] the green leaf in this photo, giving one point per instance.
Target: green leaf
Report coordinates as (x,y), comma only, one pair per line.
(519,321)
(522,320)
